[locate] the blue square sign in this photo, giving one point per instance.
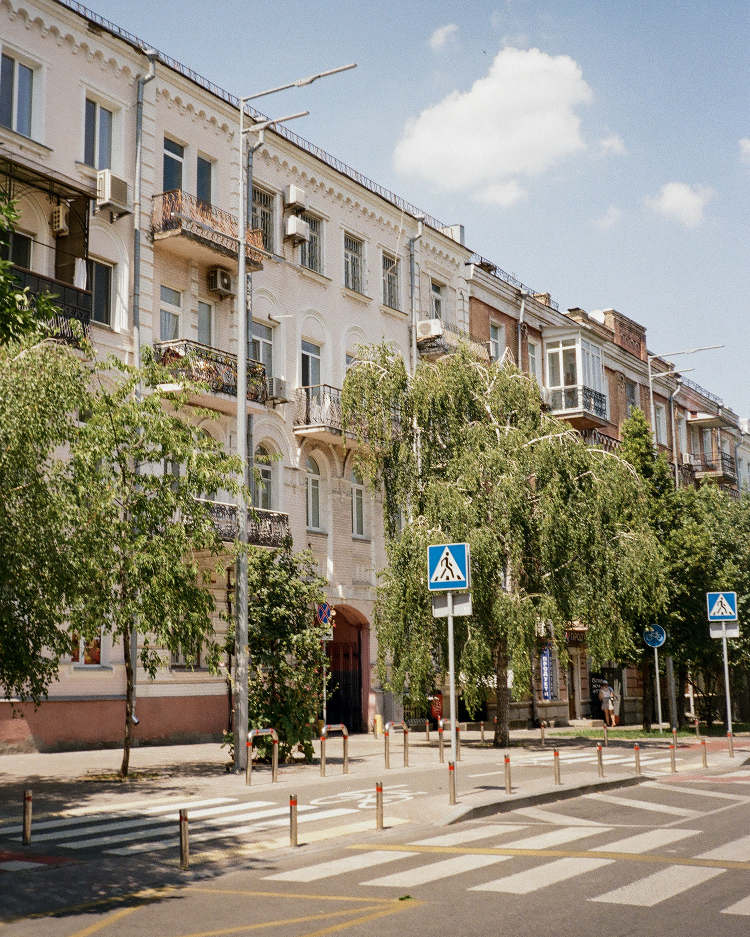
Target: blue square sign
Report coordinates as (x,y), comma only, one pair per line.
(448,567)
(722,606)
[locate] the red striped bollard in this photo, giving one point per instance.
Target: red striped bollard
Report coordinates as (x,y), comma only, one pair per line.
(507,774)
(26,818)
(637,753)
(379,805)
(184,842)
(556,757)
(599,760)
(451,783)
(704,758)
(672,762)
(292,819)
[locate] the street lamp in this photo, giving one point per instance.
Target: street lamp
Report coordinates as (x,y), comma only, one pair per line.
(244,286)
(672,354)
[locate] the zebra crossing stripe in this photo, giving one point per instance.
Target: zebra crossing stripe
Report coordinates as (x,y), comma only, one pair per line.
(541,876)
(652,890)
(434,871)
(644,805)
(554,838)
(741,907)
(693,791)
(736,851)
(541,813)
(644,842)
(338,866)
(469,835)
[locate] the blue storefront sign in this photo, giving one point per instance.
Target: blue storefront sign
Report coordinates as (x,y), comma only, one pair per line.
(547,673)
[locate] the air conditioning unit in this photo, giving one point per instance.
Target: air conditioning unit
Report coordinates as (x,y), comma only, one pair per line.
(295,198)
(297,229)
(429,328)
(278,390)
(111,192)
(59,220)
(687,458)
(220,281)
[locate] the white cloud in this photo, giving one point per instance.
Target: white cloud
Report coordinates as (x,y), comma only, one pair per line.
(517,121)
(682,202)
(442,36)
(745,149)
(609,219)
(613,145)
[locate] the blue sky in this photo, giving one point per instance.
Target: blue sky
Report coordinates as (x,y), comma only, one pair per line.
(599,151)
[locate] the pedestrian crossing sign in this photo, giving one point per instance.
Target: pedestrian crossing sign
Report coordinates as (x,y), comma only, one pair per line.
(722,606)
(448,567)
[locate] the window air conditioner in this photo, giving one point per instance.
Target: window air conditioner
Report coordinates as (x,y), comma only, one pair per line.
(220,281)
(295,198)
(297,229)
(111,192)
(278,390)
(59,221)
(429,328)
(687,458)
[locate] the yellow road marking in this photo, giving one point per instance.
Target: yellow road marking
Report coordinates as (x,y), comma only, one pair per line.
(558,854)
(288,894)
(100,925)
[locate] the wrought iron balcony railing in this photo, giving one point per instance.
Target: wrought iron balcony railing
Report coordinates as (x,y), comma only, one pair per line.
(578,397)
(720,463)
(74,304)
(452,336)
(593,437)
(318,405)
(207,365)
(264,528)
(176,211)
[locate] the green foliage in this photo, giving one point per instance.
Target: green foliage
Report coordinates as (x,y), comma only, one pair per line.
(21,315)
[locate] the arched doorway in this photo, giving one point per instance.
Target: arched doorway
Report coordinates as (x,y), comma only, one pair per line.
(349,668)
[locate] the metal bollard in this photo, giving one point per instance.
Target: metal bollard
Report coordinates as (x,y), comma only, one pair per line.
(730,739)
(441,745)
(541,729)
(406,747)
(674,736)
(481,731)
(427,730)
(507,774)
(26,818)
(637,753)
(704,758)
(556,756)
(387,749)
(346,754)
(606,735)
(184,842)
(379,805)
(697,727)
(672,762)
(322,756)
(451,783)
(599,760)
(292,819)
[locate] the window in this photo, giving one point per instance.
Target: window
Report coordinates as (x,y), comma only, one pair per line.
(353,253)
(171,303)
(86,653)
(390,282)
(591,366)
(261,483)
(16,92)
(532,350)
(631,397)
(261,346)
(310,364)
(203,181)
(184,661)
(311,255)
(97,147)
(562,371)
(497,341)
(205,323)
(263,216)
(174,156)
(436,295)
(358,506)
(100,281)
(682,436)
(660,415)
(313,495)
(16,248)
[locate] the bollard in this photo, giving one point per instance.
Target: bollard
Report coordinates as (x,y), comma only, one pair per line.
(730,739)
(252,735)
(379,805)
(481,731)
(387,749)
(26,818)
(427,730)
(637,753)
(704,758)
(672,763)
(541,729)
(674,736)
(406,747)
(441,750)
(184,842)
(556,756)
(292,819)
(606,735)
(697,727)
(451,783)
(507,774)
(338,727)
(599,760)
(323,755)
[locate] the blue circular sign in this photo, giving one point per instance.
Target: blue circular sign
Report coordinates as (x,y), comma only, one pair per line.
(654,635)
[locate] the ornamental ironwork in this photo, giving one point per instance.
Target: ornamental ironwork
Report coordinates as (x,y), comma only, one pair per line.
(579,397)
(318,405)
(264,528)
(71,303)
(206,365)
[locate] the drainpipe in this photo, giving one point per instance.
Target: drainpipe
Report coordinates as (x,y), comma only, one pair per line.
(413,286)
(143,80)
(518,327)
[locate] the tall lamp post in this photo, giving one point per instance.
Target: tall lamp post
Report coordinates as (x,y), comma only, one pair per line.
(245,285)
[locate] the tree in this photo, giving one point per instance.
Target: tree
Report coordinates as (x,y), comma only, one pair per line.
(558,531)
(138,471)
(21,315)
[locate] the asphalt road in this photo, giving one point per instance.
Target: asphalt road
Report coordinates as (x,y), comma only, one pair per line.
(666,856)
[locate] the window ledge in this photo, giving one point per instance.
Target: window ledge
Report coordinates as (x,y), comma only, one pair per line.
(92,667)
(103,325)
(316,530)
(392,311)
(353,294)
(360,538)
(24,142)
(314,275)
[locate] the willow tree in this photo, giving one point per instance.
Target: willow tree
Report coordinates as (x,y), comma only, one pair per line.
(558,532)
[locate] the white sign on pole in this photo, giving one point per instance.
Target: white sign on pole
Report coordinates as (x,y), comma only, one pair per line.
(461,604)
(724,629)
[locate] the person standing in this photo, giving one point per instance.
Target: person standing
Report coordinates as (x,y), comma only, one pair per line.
(607,697)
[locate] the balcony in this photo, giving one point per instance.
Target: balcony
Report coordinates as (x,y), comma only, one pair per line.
(581,406)
(216,369)
(264,528)
(74,304)
(318,413)
(599,440)
(716,465)
(185,222)
(448,340)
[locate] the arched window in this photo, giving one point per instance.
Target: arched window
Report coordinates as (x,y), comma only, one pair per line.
(262,481)
(313,495)
(358,506)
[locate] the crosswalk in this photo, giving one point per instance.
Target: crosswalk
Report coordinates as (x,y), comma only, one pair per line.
(588,757)
(152,826)
(536,860)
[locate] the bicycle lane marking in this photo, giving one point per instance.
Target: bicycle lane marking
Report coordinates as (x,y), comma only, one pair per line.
(365,799)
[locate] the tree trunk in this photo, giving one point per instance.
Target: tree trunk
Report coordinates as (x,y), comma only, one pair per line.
(682,678)
(502,729)
(129,697)
(647,694)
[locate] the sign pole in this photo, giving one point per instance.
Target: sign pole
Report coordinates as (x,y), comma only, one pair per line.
(726,678)
(658,686)
(452,677)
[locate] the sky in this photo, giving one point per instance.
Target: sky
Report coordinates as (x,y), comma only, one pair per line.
(596,150)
